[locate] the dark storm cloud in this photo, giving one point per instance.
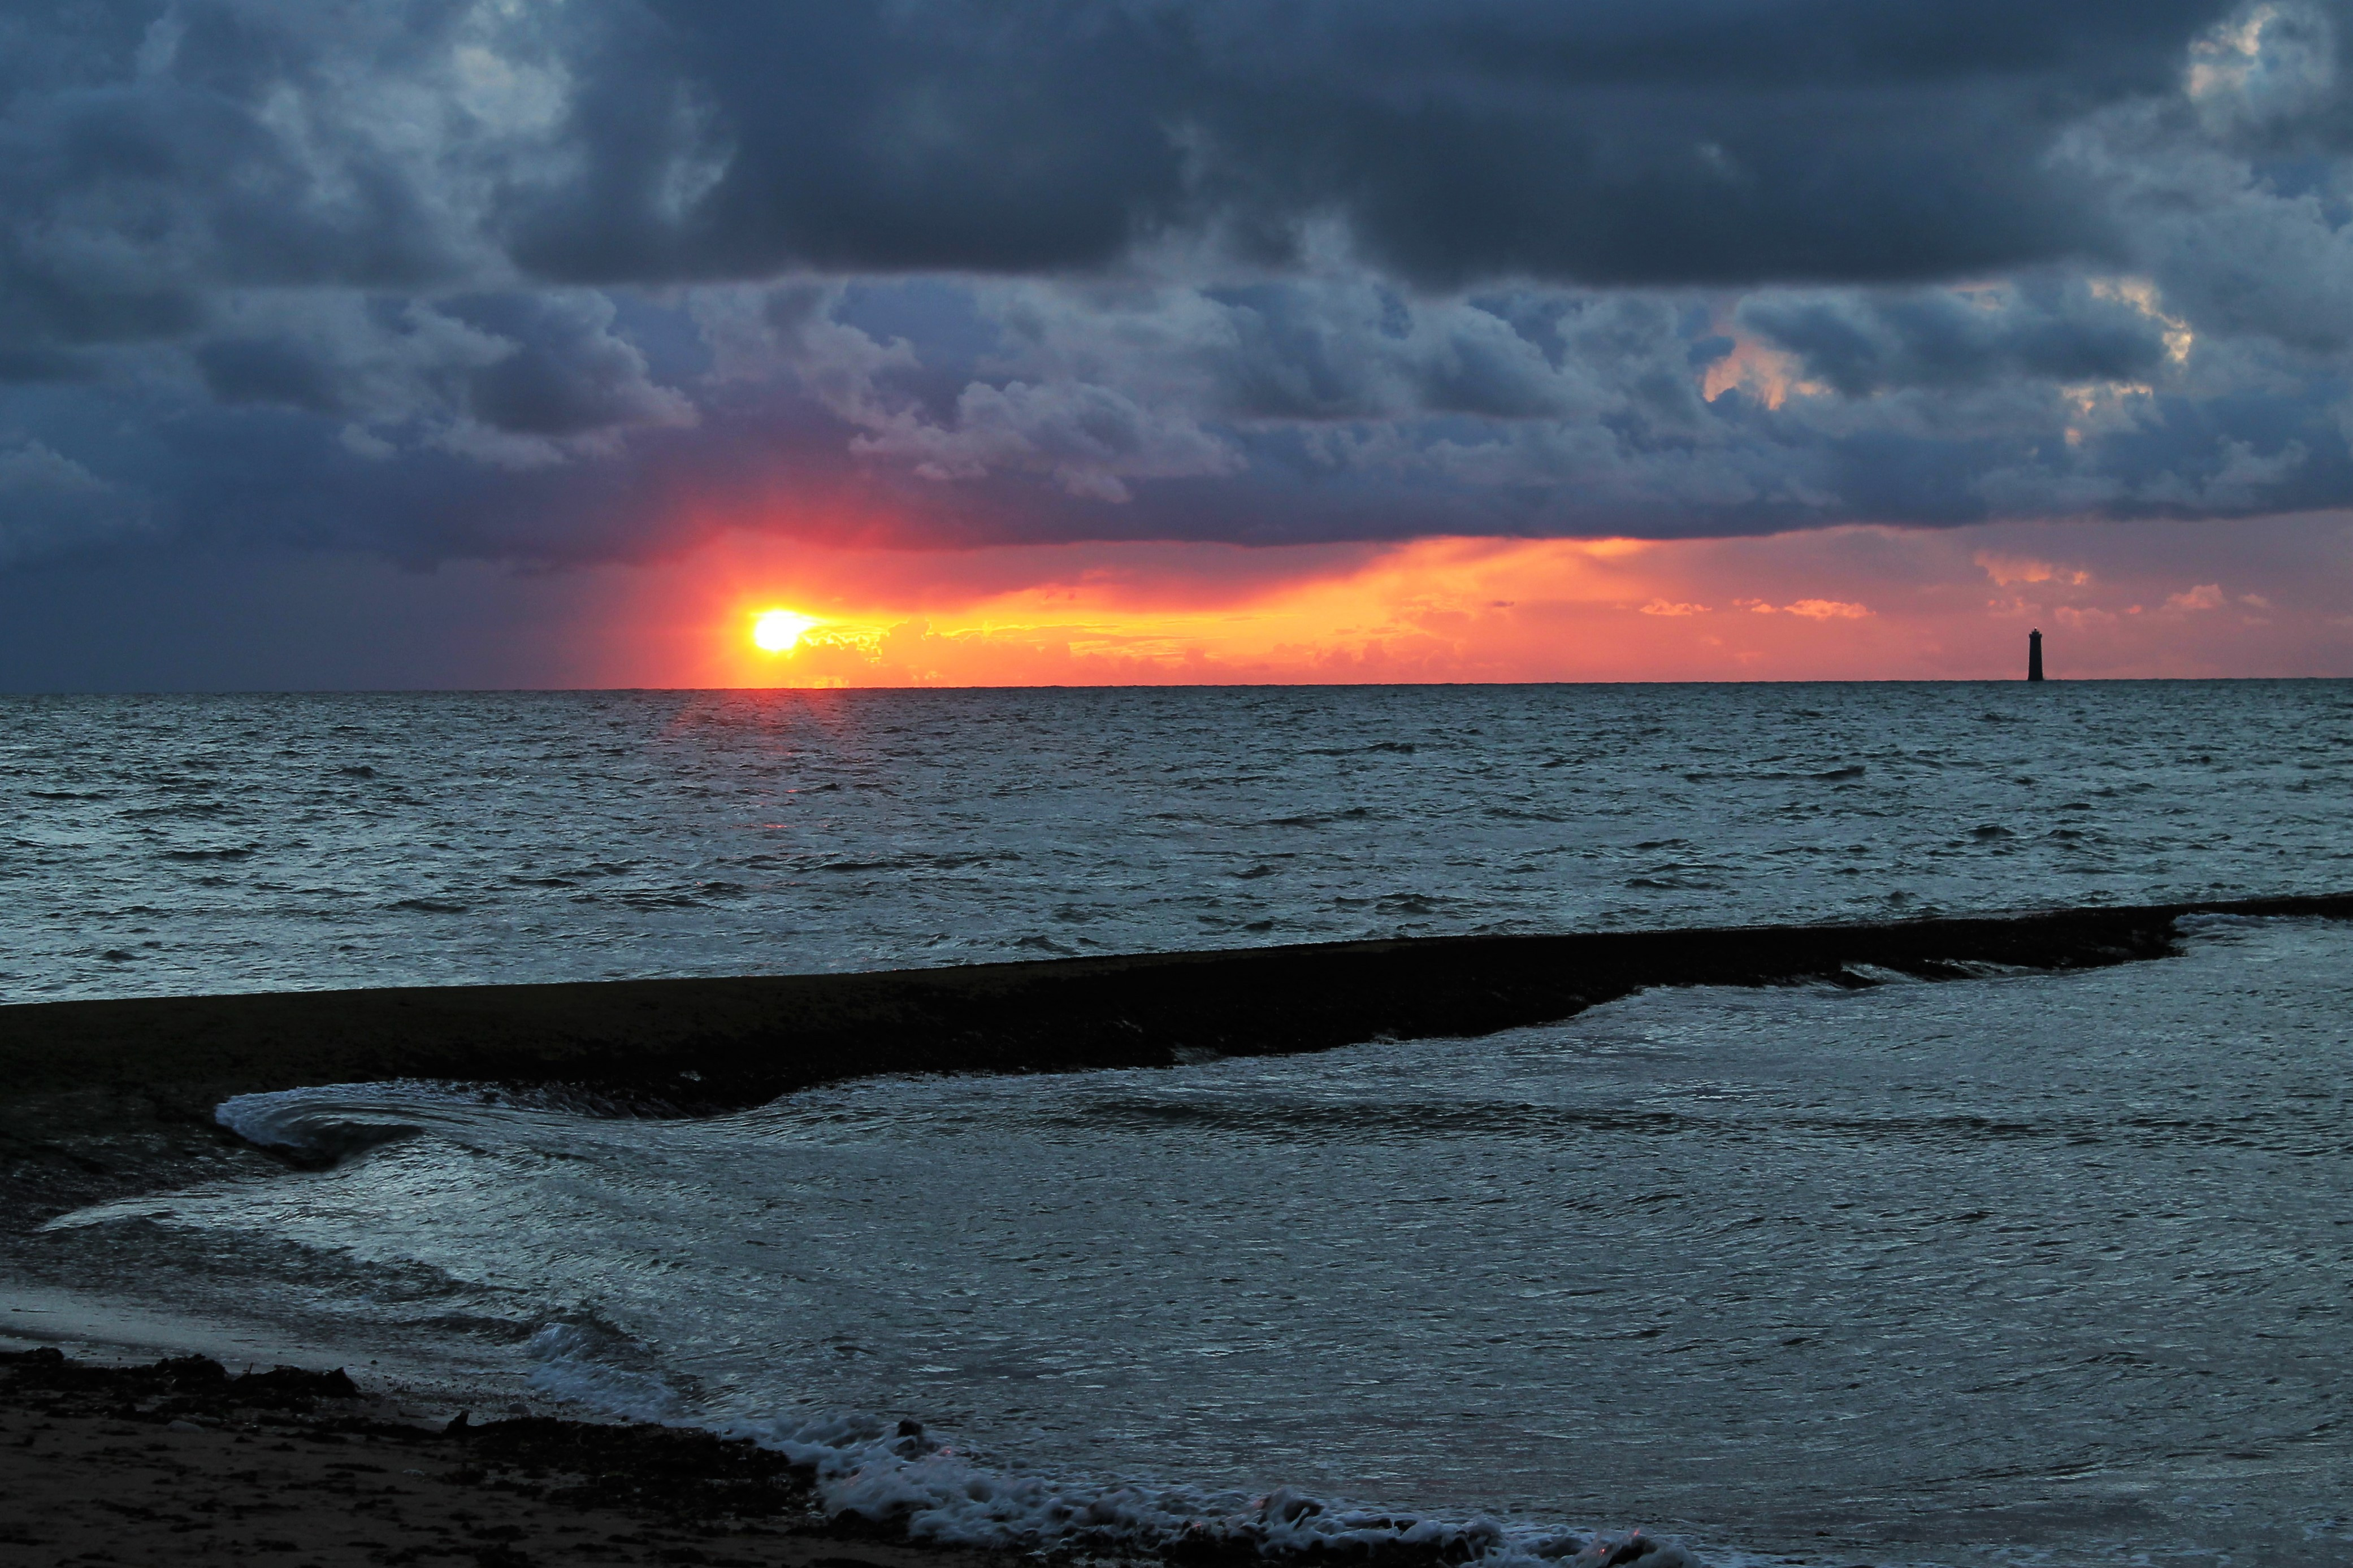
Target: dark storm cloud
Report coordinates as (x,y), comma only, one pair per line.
(151,153)
(2058,330)
(1682,140)
(564,372)
(152,156)
(449,278)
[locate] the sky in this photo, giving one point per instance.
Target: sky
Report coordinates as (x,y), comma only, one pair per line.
(550,343)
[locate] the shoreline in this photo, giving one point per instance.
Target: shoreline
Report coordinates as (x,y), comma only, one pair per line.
(106,1098)
(178,1459)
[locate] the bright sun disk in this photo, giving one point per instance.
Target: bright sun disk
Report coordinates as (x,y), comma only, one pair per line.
(776,630)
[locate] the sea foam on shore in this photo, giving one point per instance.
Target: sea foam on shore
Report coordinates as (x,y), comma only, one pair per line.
(900,1473)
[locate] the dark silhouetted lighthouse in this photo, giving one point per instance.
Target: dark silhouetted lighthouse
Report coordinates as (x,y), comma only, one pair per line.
(2034,656)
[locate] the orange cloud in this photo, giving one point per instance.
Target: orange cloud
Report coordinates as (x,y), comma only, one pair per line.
(1763,372)
(1446,609)
(1852,602)
(1432,609)
(2008,571)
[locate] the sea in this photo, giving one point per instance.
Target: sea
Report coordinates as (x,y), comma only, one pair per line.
(2029,1268)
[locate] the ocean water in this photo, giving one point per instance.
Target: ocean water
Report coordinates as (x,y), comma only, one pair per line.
(2037,1269)
(161,845)
(2026,1269)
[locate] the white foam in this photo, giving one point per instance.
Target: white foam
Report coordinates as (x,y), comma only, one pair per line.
(902,1474)
(573,1365)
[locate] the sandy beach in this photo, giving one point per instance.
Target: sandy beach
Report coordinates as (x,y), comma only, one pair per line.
(182,1462)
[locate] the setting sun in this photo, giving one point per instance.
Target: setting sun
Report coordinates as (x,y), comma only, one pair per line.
(776,630)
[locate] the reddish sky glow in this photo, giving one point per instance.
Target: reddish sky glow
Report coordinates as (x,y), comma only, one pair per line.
(1858,603)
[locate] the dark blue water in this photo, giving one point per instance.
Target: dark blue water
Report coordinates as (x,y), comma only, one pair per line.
(201,843)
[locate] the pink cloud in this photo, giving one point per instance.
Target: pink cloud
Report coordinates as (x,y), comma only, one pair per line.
(1865,603)
(2008,571)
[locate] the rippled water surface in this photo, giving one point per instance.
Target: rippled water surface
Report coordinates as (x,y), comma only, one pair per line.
(201,844)
(2028,1269)
(2040,1269)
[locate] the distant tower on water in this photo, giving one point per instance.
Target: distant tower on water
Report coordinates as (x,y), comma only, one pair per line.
(2034,656)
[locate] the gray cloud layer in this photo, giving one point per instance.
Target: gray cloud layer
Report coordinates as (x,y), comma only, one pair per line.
(505,278)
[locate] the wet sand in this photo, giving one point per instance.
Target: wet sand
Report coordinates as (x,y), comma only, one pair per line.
(179,1462)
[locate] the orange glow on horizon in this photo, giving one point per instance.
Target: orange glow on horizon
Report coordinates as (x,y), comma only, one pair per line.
(1148,614)
(1851,603)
